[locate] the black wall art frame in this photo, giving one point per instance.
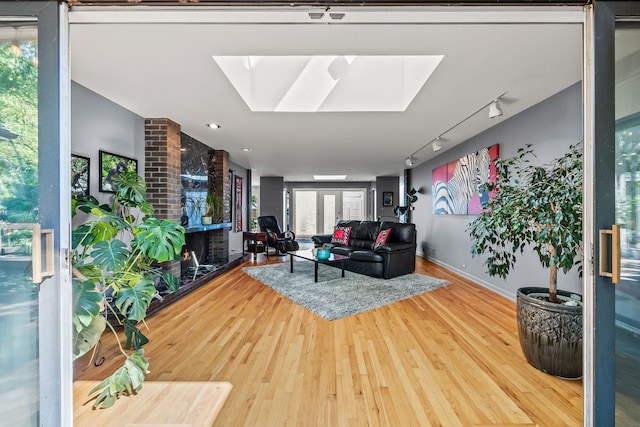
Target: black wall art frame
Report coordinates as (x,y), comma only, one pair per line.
(387,198)
(80,168)
(112,165)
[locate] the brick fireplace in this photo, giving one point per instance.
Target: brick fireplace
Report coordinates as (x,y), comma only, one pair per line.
(167,152)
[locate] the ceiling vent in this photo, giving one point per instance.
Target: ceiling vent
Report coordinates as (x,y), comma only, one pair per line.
(316,15)
(336,15)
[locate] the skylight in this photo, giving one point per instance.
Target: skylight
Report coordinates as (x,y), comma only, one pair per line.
(329,177)
(328,83)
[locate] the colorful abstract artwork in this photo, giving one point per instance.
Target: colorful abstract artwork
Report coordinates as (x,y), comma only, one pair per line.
(455,188)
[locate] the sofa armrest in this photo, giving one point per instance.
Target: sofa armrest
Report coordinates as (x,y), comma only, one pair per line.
(397,259)
(321,239)
(394,247)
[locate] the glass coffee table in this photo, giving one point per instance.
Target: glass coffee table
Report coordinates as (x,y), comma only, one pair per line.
(334,260)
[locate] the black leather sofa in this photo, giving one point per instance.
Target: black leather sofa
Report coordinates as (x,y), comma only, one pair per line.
(395,258)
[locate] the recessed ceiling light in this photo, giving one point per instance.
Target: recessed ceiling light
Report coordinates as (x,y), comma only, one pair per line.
(246,149)
(214,125)
(329,177)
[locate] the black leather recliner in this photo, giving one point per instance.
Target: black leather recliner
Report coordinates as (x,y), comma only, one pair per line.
(283,241)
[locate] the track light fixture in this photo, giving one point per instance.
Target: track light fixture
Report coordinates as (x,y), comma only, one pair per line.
(436,144)
(494,109)
(409,161)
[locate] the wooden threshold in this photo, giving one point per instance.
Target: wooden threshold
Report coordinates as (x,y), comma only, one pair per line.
(448,357)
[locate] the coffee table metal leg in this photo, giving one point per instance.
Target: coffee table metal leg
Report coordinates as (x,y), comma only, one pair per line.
(342,267)
(315,271)
(291,261)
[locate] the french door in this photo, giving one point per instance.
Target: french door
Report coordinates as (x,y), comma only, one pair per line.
(35,359)
(317,211)
(612,329)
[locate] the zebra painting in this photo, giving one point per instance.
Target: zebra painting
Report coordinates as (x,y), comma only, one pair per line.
(455,187)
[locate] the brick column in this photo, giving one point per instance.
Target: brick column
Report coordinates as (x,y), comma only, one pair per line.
(162,173)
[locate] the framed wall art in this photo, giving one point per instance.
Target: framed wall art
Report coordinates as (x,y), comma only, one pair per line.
(455,184)
(238,204)
(112,165)
(80,175)
(387,198)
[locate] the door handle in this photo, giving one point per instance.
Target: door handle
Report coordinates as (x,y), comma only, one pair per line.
(37,273)
(615,253)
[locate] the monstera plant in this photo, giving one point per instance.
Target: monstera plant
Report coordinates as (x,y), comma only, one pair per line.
(115,256)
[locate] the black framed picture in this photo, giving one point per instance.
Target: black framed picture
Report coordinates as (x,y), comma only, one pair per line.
(387,198)
(112,165)
(80,175)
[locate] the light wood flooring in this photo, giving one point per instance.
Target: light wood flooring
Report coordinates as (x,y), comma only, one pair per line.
(449,357)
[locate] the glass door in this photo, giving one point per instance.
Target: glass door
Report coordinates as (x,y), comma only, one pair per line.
(318,211)
(353,205)
(35,355)
(627,176)
(19,391)
(612,378)
(329,212)
(304,208)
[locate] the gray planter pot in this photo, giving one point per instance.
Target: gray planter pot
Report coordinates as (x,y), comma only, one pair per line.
(550,334)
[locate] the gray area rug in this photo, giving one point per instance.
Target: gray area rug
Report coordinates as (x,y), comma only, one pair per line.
(334,297)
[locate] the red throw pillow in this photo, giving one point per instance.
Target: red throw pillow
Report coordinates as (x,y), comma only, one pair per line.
(341,235)
(382,238)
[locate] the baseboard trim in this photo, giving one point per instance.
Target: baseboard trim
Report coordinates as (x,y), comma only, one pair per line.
(483,283)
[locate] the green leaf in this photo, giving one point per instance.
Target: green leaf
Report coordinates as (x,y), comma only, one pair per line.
(88,337)
(125,381)
(172,281)
(110,255)
(134,300)
(135,338)
(161,240)
(131,190)
(86,302)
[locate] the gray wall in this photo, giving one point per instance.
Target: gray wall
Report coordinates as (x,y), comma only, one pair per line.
(550,127)
(388,183)
(100,124)
(271,202)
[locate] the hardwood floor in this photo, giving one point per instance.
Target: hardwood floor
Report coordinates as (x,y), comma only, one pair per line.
(449,357)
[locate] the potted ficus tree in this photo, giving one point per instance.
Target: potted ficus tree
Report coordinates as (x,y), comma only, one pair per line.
(115,258)
(540,208)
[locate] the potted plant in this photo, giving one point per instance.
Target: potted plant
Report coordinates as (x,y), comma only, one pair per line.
(207,218)
(115,256)
(215,206)
(538,207)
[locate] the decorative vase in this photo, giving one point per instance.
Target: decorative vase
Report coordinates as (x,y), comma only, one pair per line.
(323,254)
(550,333)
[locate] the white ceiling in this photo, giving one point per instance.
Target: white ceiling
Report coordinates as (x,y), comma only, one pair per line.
(166,70)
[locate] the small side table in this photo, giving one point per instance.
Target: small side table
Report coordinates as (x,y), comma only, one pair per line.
(252,240)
